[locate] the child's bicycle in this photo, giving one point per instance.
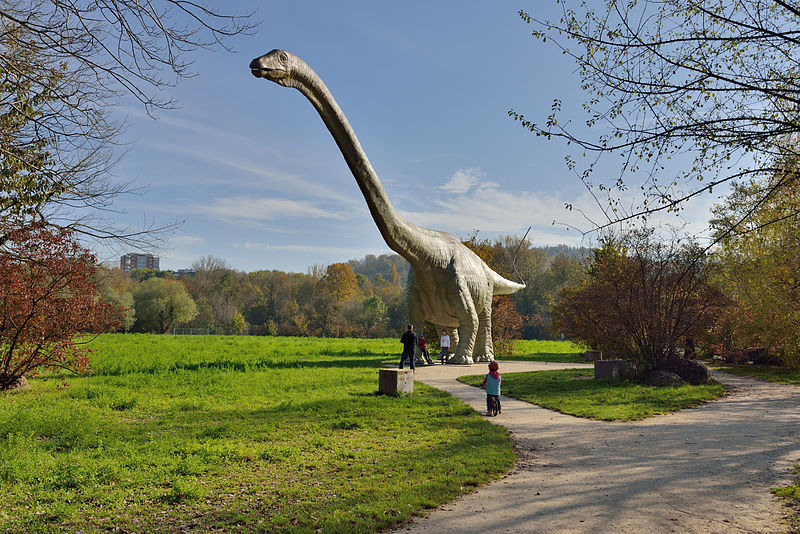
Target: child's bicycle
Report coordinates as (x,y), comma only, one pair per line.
(494,411)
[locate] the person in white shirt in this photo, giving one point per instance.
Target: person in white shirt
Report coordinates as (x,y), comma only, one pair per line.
(445,344)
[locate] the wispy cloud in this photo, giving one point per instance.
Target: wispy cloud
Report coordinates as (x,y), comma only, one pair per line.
(261,174)
(470,201)
(463,180)
(312,249)
(261,209)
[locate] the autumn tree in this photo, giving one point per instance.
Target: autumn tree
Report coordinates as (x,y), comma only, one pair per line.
(760,264)
(506,325)
(506,321)
(340,280)
(48,298)
(686,94)
(642,298)
(117,287)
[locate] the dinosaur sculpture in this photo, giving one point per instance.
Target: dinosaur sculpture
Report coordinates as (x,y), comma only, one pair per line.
(448,284)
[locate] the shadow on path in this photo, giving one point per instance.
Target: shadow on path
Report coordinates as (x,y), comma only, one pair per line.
(709,469)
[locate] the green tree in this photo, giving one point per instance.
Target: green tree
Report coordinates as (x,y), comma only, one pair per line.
(237,324)
(161,304)
(27,177)
(364,285)
(711,84)
(63,67)
(373,313)
(257,314)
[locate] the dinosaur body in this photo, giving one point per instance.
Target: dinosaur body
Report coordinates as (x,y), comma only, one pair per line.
(448,284)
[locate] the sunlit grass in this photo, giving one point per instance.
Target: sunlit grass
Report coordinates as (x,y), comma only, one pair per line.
(546,351)
(214,433)
(576,392)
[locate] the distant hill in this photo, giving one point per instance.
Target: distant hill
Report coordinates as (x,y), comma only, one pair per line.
(371,265)
(577,253)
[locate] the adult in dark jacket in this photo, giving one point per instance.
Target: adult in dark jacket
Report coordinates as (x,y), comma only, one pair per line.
(409,341)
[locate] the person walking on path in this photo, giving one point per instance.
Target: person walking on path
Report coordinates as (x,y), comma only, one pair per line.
(445,344)
(423,347)
(409,341)
(492,382)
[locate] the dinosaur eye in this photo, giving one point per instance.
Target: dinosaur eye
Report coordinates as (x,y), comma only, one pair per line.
(284,57)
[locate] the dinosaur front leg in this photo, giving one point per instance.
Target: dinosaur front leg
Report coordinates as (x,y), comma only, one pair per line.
(467,325)
(484,350)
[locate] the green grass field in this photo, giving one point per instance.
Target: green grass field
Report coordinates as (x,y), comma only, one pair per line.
(546,351)
(215,433)
(575,392)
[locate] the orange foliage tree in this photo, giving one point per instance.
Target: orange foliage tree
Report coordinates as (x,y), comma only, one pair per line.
(642,299)
(47,297)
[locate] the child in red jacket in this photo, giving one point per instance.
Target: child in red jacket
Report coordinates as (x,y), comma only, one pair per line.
(423,347)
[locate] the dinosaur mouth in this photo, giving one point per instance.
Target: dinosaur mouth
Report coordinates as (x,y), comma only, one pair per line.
(269,74)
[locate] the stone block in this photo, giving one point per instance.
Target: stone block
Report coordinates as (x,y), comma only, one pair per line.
(610,368)
(593,355)
(394,381)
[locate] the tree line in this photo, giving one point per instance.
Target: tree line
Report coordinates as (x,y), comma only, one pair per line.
(357,298)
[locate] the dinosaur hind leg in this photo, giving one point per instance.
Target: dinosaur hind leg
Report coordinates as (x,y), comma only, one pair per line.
(484,350)
(467,325)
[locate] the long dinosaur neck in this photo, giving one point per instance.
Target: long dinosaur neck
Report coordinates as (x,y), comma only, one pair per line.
(396,231)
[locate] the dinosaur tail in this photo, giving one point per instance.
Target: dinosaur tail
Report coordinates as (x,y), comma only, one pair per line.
(503,286)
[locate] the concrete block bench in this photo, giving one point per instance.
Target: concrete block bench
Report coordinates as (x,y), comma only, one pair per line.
(593,355)
(394,381)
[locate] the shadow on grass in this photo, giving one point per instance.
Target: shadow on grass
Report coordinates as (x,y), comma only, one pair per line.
(254,365)
(465,453)
(554,357)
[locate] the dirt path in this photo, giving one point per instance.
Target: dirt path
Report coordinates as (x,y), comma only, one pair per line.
(706,470)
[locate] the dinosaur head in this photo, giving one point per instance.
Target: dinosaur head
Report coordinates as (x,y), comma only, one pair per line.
(277,66)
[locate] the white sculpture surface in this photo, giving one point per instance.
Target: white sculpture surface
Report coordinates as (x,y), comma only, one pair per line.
(448,284)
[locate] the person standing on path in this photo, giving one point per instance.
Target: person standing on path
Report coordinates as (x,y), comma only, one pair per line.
(423,347)
(445,344)
(492,382)
(409,341)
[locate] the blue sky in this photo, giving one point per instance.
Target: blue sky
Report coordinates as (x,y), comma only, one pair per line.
(251,169)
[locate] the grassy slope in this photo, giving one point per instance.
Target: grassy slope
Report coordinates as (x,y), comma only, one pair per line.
(573,392)
(235,433)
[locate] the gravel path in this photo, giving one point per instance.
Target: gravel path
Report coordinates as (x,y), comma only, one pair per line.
(706,470)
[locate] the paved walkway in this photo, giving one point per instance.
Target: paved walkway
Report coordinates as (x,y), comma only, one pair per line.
(706,470)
